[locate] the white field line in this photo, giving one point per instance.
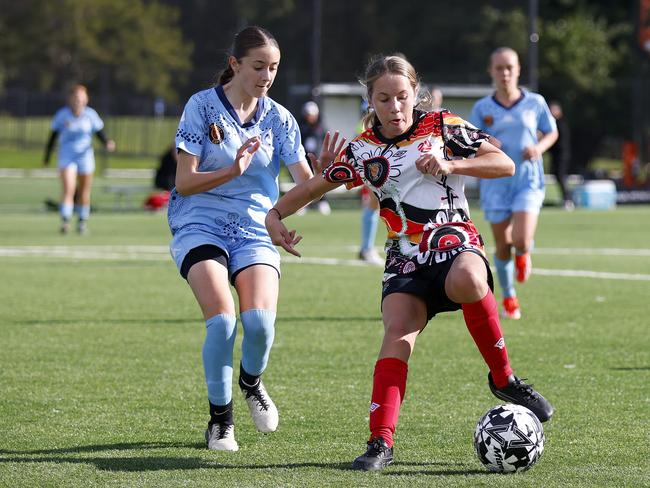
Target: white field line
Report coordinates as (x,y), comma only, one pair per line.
(161,253)
(569,251)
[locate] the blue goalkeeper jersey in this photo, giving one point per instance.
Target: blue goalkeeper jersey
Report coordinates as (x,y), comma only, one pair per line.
(210,129)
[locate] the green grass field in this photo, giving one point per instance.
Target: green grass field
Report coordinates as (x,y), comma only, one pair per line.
(102,382)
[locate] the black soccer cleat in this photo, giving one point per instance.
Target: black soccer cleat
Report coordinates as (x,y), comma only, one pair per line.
(377,457)
(522,394)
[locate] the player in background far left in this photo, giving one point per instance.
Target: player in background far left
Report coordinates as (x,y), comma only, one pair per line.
(75,125)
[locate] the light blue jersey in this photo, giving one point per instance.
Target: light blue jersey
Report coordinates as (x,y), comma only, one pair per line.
(235,211)
(75,138)
(516,127)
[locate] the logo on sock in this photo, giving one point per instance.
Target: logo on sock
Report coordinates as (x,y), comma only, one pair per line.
(374,406)
(501,343)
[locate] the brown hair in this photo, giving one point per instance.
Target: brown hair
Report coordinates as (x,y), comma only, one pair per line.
(248,38)
(396,64)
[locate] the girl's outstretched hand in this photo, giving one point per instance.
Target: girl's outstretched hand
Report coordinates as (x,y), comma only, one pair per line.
(330,149)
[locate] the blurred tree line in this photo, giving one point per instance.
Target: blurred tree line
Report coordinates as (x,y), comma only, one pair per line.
(588,59)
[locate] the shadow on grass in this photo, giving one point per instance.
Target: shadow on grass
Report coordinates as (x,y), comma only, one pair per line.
(148,321)
(326,318)
(169,463)
(631,368)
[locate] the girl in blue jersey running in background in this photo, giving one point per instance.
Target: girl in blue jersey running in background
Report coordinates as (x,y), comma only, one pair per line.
(514,116)
(231,141)
(75,125)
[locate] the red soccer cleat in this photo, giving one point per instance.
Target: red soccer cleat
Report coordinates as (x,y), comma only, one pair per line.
(523,267)
(511,308)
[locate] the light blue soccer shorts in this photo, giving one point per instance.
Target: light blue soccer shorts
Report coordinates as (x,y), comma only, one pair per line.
(83,166)
(241,252)
(526,200)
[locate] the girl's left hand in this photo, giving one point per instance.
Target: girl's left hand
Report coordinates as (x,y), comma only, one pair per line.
(429,164)
(330,149)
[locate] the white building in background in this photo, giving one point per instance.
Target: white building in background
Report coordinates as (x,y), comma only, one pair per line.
(340,103)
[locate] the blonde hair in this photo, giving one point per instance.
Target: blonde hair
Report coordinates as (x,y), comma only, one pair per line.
(395,64)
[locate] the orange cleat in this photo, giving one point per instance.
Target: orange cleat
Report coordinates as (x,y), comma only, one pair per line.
(511,308)
(523,267)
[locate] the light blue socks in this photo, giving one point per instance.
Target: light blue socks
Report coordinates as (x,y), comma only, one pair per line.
(221,331)
(84,211)
(259,331)
(66,211)
(506,274)
(369,219)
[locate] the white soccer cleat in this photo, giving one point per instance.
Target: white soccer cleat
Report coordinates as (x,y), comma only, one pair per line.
(263,410)
(221,437)
(371,256)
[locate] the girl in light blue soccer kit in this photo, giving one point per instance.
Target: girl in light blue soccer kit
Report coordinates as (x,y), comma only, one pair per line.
(74,125)
(231,141)
(514,116)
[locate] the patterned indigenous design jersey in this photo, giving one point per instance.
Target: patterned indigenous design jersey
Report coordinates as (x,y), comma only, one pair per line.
(210,129)
(427,216)
(516,127)
(75,134)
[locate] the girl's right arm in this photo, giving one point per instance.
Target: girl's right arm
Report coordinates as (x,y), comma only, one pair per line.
(190,181)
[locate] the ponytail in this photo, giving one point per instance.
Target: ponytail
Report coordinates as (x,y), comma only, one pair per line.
(226,75)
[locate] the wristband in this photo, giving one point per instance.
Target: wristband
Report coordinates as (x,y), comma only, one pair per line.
(277,212)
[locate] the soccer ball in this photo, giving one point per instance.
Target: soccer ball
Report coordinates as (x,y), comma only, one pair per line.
(509,438)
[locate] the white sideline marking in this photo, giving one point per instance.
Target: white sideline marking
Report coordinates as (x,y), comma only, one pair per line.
(568,251)
(161,253)
(556,251)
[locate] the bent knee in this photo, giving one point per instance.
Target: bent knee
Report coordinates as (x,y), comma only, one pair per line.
(466,285)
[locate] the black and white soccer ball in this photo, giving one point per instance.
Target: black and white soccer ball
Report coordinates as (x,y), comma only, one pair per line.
(509,438)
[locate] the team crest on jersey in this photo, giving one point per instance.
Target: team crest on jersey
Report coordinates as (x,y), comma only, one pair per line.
(488,120)
(216,134)
(376,170)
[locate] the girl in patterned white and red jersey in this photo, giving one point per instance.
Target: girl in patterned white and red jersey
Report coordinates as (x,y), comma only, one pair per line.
(414,161)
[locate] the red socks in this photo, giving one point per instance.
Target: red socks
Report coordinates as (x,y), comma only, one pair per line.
(482,319)
(388,388)
(389,382)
